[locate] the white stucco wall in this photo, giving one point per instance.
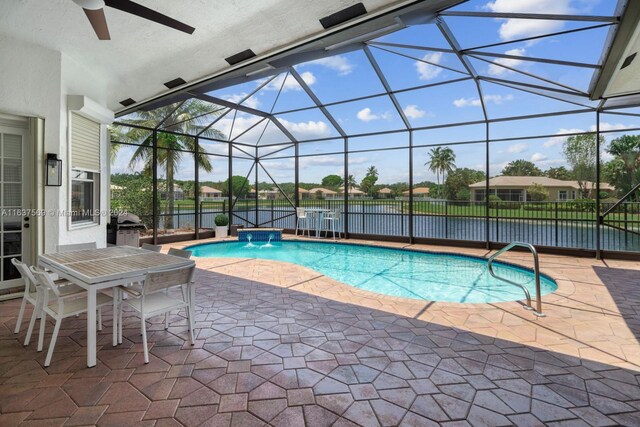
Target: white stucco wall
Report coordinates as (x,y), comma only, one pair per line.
(36,82)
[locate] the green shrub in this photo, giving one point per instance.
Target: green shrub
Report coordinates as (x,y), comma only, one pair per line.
(494,201)
(538,193)
(221,220)
(583,205)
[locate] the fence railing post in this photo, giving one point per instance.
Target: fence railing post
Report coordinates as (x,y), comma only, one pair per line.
(402,218)
(272,224)
(446,219)
(626,227)
(556,223)
(498,221)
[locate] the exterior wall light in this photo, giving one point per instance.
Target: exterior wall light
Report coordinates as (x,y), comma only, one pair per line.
(54,170)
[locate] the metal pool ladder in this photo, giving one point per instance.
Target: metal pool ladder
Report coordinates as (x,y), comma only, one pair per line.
(536,270)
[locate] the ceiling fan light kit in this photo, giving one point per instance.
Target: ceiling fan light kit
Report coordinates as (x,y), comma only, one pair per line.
(94,9)
(90,4)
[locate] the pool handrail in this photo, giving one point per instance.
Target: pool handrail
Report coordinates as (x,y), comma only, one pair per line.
(536,270)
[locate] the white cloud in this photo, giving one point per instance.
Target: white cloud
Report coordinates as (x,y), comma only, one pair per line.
(321,161)
(241,124)
(339,63)
(310,129)
(498,99)
(428,71)
(467,102)
(252,102)
(519,28)
(333,160)
(551,163)
(366,115)
(517,148)
(475,102)
(538,157)
(605,126)
(557,140)
(359,160)
(413,112)
(496,70)
(290,83)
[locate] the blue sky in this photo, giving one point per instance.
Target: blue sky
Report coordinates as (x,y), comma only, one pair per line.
(350,75)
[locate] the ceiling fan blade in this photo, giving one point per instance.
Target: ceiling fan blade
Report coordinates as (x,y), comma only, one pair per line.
(150,14)
(98,22)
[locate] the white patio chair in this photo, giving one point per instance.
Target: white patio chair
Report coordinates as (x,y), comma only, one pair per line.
(62,306)
(150,247)
(34,294)
(121,292)
(332,219)
(302,221)
(76,247)
(182,253)
(153,301)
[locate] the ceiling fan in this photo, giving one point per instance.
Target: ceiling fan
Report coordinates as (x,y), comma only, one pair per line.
(94,9)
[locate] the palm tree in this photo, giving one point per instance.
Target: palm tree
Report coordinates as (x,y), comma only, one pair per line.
(441,162)
(191,117)
(351,182)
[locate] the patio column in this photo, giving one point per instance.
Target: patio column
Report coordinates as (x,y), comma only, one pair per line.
(411,236)
(196,196)
(486,188)
(346,190)
(296,179)
(154,186)
(598,219)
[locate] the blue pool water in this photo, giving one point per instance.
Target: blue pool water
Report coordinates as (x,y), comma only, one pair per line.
(396,272)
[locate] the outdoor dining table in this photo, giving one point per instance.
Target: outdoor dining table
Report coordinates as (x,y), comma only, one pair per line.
(100,269)
(318,214)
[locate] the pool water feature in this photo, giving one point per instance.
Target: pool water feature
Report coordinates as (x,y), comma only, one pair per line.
(395,272)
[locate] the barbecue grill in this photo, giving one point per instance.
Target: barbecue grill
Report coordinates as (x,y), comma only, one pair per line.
(124,229)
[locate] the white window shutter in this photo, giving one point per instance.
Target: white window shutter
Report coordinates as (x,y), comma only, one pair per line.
(85,143)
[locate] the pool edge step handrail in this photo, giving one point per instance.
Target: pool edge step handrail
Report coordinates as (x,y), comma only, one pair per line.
(536,270)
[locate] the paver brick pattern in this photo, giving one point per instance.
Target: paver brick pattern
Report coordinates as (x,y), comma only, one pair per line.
(280,345)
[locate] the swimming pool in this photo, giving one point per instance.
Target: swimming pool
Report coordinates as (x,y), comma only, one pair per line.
(395,272)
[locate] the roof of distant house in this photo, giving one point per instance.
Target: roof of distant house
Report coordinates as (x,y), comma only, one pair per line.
(322,190)
(352,190)
(418,190)
(526,181)
(385,190)
(207,189)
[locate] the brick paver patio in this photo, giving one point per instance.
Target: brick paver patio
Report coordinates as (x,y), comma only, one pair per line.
(282,345)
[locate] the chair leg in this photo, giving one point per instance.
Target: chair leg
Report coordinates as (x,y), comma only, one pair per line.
(99,318)
(144,340)
(120,309)
(32,323)
(297,221)
(114,327)
(20,314)
(43,321)
(190,320)
(52,344)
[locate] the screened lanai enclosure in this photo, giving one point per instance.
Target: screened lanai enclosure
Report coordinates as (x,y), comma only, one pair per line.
(475,124)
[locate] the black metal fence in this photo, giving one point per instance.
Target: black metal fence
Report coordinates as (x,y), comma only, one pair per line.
(567,224)
(570,224)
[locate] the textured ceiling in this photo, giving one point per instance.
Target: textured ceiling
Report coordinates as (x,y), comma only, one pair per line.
(142,54)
